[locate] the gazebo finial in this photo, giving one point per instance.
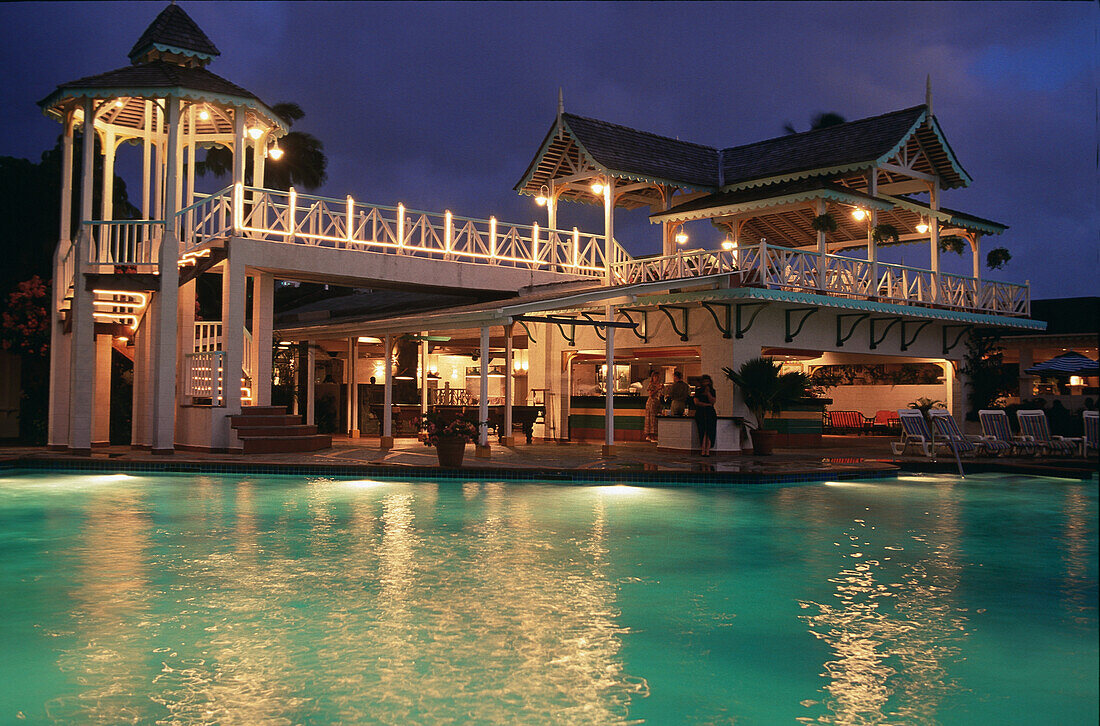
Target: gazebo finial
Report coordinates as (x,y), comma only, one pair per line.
(928,93)
(561,108)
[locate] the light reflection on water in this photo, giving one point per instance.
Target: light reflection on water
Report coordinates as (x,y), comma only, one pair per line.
(270,601)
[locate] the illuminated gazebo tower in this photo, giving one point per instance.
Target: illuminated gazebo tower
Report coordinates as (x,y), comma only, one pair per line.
(124,280)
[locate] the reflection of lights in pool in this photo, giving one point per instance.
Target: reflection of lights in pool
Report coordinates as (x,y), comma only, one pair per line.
(621,489)
(362,484)
(910,477)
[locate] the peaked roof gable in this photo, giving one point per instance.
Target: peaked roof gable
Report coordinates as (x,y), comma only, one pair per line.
(173,30)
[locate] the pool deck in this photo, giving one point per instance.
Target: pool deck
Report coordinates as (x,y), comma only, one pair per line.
(845,457)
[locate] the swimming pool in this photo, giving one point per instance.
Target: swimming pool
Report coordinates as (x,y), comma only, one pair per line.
(238,599)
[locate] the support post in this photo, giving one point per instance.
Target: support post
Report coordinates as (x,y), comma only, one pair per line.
(101,395)
(822,247)
(387,395)
(106,206)
(233,301)
(311,384)
(263,311)
(423,374)
(58,426)
(482,450)
(609,386)
(934,238)
(509,380)
(239,145)
(163,345)
(608,226)
(872,248)
(976,249)
(353,387)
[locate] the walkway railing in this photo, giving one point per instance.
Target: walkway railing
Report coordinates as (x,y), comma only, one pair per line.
(785,268)
(203,376)
(133,243)
(314,221)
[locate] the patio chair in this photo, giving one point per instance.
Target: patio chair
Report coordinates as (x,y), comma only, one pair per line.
(995,427)
(914,431)
(853,420)
(948,429)
(1092,432)
(1033,425)
(885,422)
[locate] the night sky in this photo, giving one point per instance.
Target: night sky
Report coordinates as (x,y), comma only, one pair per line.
(442,106)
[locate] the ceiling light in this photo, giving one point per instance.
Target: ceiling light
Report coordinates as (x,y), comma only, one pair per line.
(119,103)
(859,214)
(204,115)
(597,188)
(922,228)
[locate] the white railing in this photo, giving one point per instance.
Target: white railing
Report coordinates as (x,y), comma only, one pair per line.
(133,243)
(204,376)
(208,336)
(786,268)
(246,360)
(346,224)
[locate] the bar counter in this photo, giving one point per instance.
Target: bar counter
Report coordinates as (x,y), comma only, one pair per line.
(586,418)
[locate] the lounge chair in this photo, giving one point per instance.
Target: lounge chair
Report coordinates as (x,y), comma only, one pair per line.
(995,427)
(1033,426)
(847,420)
(946,427)
(1092,432)
(914,431)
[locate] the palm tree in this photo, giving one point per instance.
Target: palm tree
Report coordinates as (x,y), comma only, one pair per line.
(819,121)
(303,163)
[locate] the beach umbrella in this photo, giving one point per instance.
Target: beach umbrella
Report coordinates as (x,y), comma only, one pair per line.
(1067,364)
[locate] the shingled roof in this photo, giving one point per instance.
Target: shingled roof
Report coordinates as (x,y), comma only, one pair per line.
(158,74)
(640,153)
(174,30)
(843,145)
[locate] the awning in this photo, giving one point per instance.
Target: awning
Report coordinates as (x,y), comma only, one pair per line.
(1072,363)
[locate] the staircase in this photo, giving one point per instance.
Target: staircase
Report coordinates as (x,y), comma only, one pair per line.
(270,430)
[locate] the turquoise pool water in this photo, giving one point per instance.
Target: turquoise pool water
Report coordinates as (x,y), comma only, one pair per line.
(282,600)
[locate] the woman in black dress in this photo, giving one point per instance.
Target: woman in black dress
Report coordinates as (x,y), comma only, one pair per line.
(706,420)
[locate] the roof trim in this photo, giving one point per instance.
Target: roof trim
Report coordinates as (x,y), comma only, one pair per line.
(951,216)
(795,176)
(825,192)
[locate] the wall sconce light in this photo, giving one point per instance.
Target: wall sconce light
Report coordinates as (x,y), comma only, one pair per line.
(275,152)
(255,132)
(543,197)
(728,245)
(681,238)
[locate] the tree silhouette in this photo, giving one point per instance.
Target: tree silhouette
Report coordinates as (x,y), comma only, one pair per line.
(819,121)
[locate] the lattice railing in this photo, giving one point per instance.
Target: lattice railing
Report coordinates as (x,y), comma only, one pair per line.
(204,376)
(130,243)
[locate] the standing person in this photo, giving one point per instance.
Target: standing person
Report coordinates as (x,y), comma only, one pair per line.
(652,405)
(706,420)
(679,393)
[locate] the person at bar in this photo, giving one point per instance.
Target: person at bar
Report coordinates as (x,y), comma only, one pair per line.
(678,393)
(652,405)
(706,419)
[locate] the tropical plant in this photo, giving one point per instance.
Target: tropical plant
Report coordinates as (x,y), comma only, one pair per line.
(989,379)
(303,163)
(765,389)
(952,243)
(824,223)
(819,121)
(448,426)
(885,234)
(997,258)
(924,405)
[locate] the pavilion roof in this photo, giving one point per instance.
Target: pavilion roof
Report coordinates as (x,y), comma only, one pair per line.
(835,152)
(173,30)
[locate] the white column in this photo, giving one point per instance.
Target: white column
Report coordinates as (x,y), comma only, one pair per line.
(101,394)
(263,309)
(608,225)
(609,381)
(934,239)
(483,395)
(106,206)
(190,198)
(423,375)
(258,162)
(872,248)
(311,384)
(976,248)
(822,247)
(146,159)
(509,381)
(552,209)
(139,411)
(58,426)
(163,353)
(233,302)
(387,393)
(239,144)
(353,387)
(82,342)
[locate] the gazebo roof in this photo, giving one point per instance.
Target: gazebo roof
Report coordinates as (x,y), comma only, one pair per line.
(174,31)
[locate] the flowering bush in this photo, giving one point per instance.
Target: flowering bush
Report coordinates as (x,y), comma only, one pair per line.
(436,427)
(25,324)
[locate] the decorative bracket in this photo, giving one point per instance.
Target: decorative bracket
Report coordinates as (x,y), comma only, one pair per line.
(963,330)
(527,330)
(571,338)
(757,307)
(891,323)
(644,335)
(787,318)
(596,328)
(667,310)
(725,330)
(920,326)
(859,318)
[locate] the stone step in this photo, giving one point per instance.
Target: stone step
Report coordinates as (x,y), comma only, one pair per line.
(263,411)
(243,422)
(244,432)
(285,444)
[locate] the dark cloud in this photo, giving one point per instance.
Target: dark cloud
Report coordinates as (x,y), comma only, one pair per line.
(442,105)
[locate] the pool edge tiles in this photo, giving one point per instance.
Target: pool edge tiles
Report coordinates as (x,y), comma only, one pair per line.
(563,476)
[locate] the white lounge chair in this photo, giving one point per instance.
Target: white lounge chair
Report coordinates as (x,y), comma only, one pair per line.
(1033,426)
(995,427)
(1091,439)
(914,432)
(947,428)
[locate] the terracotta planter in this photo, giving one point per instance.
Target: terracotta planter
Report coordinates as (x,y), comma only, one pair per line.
(763,441)
(450,452)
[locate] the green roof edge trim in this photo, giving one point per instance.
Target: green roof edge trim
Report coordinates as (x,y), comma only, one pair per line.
(833,194)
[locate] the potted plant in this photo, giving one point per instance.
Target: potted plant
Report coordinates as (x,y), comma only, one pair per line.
(883,234)
(766,390)
(449,436)
(824,223)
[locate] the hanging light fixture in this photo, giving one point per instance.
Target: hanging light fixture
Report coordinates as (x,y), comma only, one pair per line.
(681,238)
(543,197)
(204,115)
(859,214)
(275,152)
(597,187)
(255,132)
(728,245)
(922,227)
